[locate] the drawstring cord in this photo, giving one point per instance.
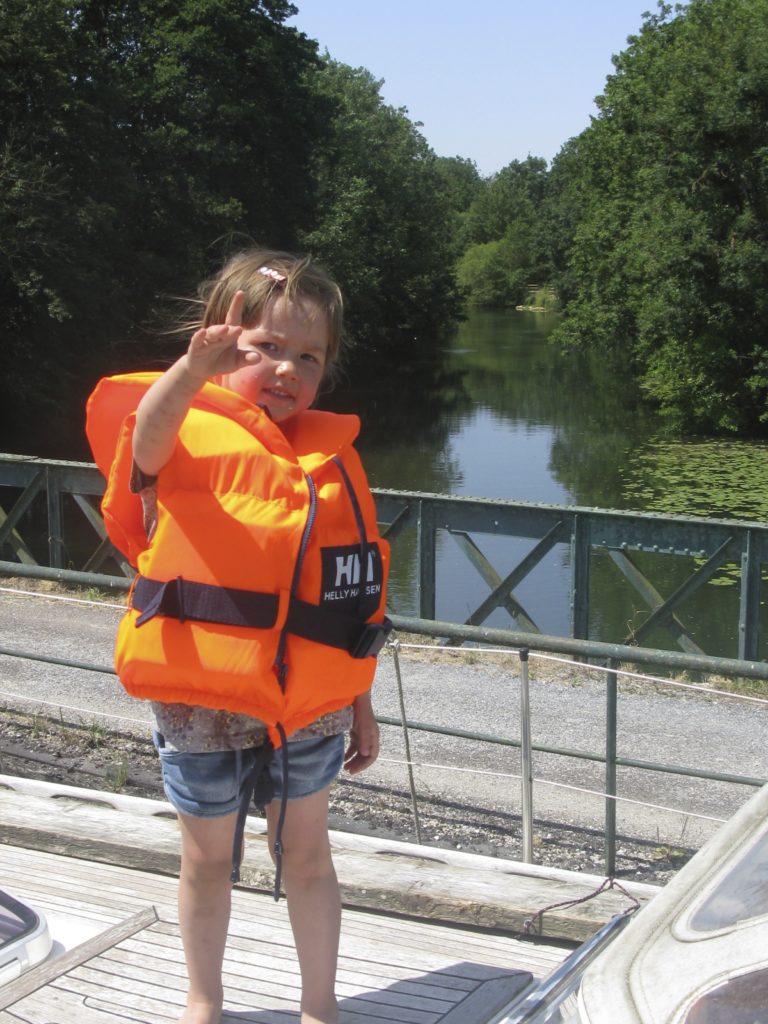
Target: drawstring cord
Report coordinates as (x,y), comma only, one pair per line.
(259,786)
(277,849)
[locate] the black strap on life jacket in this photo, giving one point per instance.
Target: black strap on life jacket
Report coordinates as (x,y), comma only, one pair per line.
(182,599)
(358,513)
(185,599)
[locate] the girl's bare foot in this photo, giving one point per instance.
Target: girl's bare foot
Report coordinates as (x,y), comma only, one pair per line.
(201,1013)
(330,1016)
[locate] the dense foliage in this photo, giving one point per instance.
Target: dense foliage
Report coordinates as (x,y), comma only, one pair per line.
(657,215)
(141,140)
(382,224)
(651,226)
(500,252)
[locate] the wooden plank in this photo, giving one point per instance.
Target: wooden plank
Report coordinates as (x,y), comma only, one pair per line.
(252,965)
(243,990)
(147,998)
(396,942)
(50,1006)
(78,876)
(49,970)
(110,897)
(162,1001)
(388,944)
(407,880)
(253,957)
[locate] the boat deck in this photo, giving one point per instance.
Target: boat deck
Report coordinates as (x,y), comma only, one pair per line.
(110,899)
(132,968)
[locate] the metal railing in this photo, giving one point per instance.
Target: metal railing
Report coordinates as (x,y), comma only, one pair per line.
(703,548)
(711,541)
(521,645)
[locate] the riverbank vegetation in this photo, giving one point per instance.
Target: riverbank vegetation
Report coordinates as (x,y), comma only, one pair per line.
(143,142)
(652,225)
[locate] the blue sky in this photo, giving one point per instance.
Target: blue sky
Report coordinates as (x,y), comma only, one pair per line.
(494,80)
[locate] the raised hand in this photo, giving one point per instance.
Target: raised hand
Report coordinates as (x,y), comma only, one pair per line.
(213,350)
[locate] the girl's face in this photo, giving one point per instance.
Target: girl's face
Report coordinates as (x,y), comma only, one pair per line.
(291,339)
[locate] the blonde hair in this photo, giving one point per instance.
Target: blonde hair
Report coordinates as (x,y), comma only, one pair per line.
(264,274)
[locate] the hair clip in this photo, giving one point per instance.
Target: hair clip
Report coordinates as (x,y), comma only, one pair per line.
(274,275)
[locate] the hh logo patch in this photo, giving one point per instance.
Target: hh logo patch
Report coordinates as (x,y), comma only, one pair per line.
(348,585)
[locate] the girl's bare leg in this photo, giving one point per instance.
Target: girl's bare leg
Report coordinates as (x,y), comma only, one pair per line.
(314,903)
(205,896)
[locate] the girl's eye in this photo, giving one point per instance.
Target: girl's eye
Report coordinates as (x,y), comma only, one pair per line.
(308,357)
(268,346)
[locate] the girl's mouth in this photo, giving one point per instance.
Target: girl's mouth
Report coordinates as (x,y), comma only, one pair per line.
(279,393)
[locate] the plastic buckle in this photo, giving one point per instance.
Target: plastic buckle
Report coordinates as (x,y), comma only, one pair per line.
(372,639)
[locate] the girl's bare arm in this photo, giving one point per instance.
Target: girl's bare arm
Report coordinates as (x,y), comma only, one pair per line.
(160,413)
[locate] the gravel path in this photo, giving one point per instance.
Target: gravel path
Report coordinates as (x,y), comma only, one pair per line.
(473,798)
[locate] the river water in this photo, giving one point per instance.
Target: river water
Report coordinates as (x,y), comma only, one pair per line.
(514,417)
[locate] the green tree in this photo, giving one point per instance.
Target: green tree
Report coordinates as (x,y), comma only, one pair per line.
(499,236)
(510,197)
(463,185)
(462,180)
(383,224)
(670,251)
(561,210)
(493,274)
(133,136)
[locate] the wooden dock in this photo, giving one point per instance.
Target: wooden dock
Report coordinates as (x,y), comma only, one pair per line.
(423,936)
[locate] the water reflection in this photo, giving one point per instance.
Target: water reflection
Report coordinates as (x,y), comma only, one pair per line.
(511,417)
(406,426)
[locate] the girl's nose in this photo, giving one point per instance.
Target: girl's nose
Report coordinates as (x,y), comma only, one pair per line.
(286,368)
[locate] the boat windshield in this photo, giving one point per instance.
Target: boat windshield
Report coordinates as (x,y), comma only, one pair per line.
(741,895)
(742,1000)
(16,919)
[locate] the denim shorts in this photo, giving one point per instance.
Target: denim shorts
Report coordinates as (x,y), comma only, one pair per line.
(210,785)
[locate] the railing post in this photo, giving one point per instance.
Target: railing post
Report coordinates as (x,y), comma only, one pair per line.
(611,719)
(55,517)
(749,604)
(526,759)
(427,560)
(406,741)
(580,535)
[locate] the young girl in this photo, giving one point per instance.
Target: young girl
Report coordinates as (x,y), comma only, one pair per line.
(258,609)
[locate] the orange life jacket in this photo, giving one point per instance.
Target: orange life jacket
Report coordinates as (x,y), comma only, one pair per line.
(262,589)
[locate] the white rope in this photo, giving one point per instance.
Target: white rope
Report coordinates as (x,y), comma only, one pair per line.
(587,668)
(653,679)
(557,785)
(391,760)
(68,707)
(61,597)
